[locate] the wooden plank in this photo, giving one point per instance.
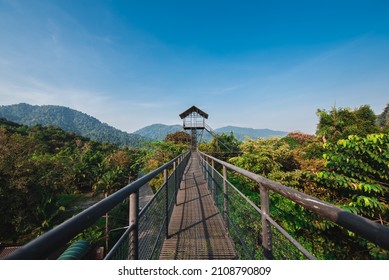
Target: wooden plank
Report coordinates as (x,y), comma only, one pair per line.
(196,228)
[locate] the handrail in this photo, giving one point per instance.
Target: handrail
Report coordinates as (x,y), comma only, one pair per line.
(374,232)
(266,220)
(142,240)
(47,243)
(118,243)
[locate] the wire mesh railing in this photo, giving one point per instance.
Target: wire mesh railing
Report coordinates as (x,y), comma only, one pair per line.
(153,220)
(256,234)
(145,232)
(243,220)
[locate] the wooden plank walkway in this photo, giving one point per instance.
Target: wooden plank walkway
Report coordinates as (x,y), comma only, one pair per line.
(196,228)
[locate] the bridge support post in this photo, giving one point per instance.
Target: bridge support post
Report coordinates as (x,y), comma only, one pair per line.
(225,196)
(213,180)
(134,220)
(205,169)
(165,177)
(266,229)
(178,173)
(175,182)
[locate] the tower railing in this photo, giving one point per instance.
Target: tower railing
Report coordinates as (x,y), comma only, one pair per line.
(146,229)
(255,234)
(193,124)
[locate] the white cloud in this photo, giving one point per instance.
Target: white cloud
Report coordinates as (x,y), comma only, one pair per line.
(37,92)
(125,114)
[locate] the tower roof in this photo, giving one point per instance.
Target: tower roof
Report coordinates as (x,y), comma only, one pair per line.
(191,110)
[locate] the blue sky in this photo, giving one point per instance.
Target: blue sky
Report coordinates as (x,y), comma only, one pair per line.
(260,64)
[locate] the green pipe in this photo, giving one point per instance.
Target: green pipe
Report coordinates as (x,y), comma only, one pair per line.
(75,251)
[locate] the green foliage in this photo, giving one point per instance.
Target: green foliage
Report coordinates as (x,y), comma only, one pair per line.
(265,157)
(241,133)
(340,123)
(224,146)
(42,168)
(158,132)
(357,173)
(353,174)
(179,137)
(91,234)
(158,154)
(71,121)
(383,120)
(298,139)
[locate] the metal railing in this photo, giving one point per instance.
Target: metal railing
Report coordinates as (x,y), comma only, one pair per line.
(146,229)
(256,234)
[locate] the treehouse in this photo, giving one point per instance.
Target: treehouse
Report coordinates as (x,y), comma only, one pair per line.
(193,120)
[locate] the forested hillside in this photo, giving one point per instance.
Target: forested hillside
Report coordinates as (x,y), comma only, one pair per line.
(346,164)
(71,121)
(80,123)
(242,132)
(158,132)
(45,171)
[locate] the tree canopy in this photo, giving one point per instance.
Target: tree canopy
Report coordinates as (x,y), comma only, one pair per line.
(345,163)
(43,169)
(339,123)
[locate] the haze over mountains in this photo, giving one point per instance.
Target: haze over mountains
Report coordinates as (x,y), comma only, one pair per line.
(159,131)
(74,121)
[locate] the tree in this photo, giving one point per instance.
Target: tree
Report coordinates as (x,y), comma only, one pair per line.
(29,205)
(44,171)
(357,179)
(265,156)
(223,146)
(383,119)
(298,138)
(340,123)
(179,137)
(109,182)
(357,173)
(159,154)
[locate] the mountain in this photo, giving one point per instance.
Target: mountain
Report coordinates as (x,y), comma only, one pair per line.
(241,132)
(80,123)
(158,132)
(71,121)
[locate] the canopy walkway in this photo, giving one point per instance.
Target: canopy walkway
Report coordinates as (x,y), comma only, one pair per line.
(196,227)
(197,213)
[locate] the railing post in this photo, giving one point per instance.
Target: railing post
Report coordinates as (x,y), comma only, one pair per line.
(213,180)
(175,182)
(206,170)
(165,176)
(205,167)
(225,196)
(134,220)
(266,229)
(178,173)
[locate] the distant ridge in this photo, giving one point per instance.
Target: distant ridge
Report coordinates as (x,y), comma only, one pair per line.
(158,132)
(71,121)
(242,132)
(80,123)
